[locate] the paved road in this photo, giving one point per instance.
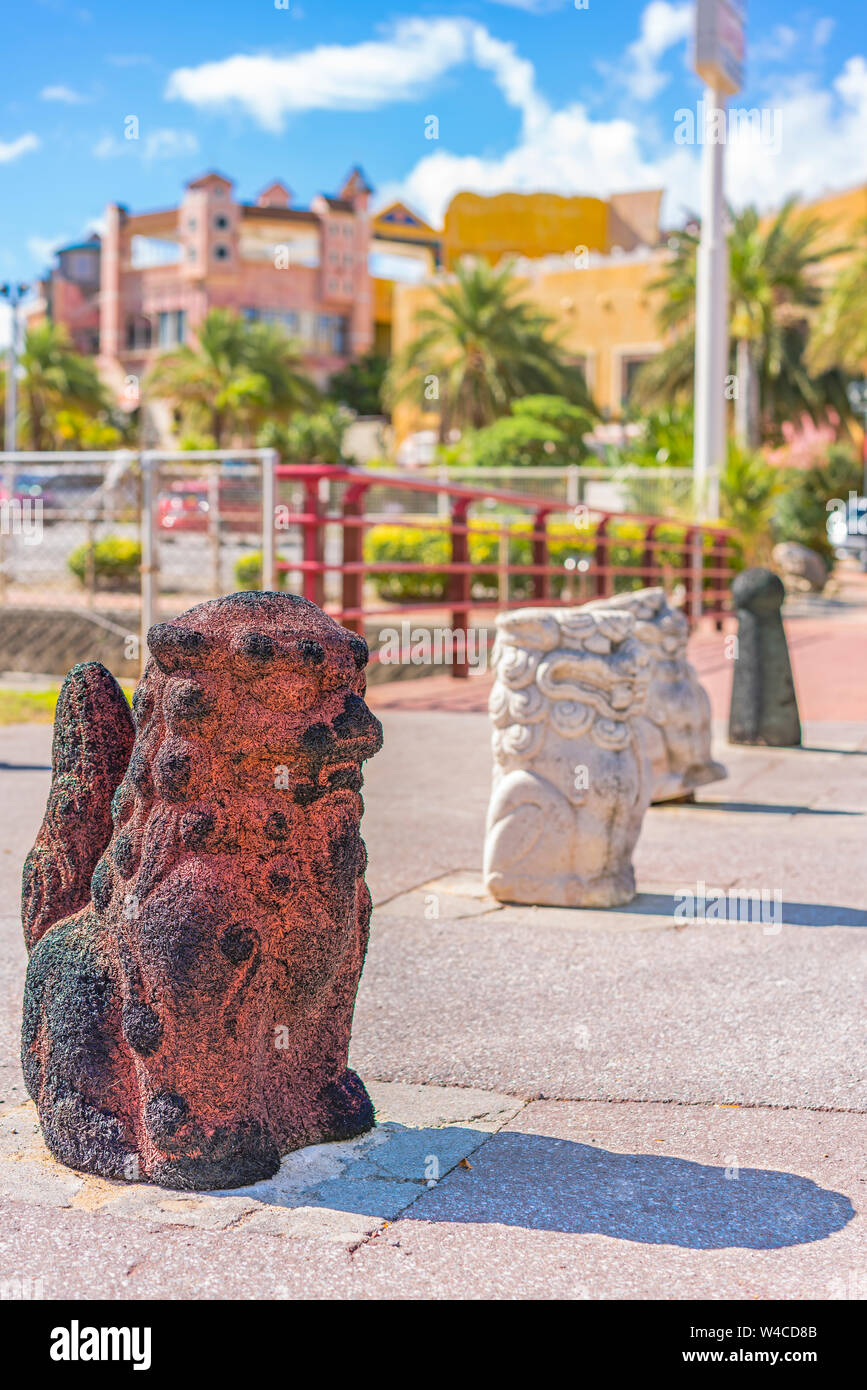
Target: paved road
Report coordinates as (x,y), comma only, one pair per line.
(616,1104)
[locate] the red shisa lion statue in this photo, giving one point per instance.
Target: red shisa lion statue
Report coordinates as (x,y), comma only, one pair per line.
(195,903)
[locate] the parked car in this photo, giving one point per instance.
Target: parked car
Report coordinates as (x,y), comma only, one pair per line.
(29,487)
(847,531)
(185,506)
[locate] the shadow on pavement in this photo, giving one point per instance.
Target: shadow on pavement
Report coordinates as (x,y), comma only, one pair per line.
(760,808)
(844,752)
(545,1184)
(744,911)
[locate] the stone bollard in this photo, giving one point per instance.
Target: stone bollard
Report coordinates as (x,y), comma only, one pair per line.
(187,1013)
(572,775)
(764,708)
(677,711)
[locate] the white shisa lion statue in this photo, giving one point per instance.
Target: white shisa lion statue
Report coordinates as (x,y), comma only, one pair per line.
(677,709)
(595,714)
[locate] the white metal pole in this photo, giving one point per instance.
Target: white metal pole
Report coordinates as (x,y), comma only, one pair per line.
(148,553)
(711,315)
(11,435)
(269,464)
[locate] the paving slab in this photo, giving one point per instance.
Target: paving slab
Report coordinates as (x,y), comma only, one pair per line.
(602,1201)
(639,1024)
(614,1004)
(340,1191)
(553,1199)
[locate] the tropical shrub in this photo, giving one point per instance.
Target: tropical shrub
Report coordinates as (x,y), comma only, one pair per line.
(540,431)
(748,489)
(116,562)
(566,543)
(801,511)
(248,572)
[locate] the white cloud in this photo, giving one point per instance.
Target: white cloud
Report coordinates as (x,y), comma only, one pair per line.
(823,31)
(776,47)
(14,149)
(153,145)
(42,248)
(61,93)
(169,144)
(566,150)
(331,77)
(533,6)
(662,27)
(822,144)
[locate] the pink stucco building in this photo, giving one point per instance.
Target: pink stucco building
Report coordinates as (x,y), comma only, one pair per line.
(149,280)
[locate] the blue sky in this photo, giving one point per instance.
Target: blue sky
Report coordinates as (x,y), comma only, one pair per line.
(528,94)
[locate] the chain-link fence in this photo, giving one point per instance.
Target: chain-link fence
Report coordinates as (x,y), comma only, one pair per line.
(95,547)
(654,491)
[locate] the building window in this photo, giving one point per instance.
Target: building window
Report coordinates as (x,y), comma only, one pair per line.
(81,266)
(172,327)
(221,222)
(138,333)
(332,334)
(191,253)
(221,253)
(630,367)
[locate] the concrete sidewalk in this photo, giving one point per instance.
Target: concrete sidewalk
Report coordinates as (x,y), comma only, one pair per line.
(579,1104)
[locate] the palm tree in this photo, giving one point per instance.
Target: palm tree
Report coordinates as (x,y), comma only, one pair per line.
(55,378)
(481,347)
(839,337)
(772,293)
(315,437)
(239,375)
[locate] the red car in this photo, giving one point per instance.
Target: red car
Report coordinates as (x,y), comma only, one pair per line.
(186,506)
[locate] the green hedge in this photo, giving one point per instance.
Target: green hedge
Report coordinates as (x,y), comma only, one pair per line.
(414,545)
(248,572)
(116,563)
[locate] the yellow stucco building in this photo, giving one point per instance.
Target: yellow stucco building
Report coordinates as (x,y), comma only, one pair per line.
(589,264)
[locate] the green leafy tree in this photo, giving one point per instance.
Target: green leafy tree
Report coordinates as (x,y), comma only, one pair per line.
(801,512)
(839,337)
(665,440)
(748,488)
(481,346)
(57,384)
(540,431)
(316,437)
(359,384)
(238,376)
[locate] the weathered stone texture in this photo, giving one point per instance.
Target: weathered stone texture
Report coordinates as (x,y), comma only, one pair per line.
(187,1021)
(677,712)
(572,772)
(764,707)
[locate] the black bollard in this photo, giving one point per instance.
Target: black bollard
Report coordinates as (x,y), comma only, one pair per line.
(764,707)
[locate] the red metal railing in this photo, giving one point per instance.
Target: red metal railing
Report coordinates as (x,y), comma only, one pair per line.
(704,567)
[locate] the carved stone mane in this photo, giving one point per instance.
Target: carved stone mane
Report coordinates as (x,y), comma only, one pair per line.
(571,777)
(187,1012)
(677,706)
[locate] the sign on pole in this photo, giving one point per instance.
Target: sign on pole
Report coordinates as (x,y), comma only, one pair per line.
(720,43)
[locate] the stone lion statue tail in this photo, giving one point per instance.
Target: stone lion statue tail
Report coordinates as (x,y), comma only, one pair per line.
(93,739)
